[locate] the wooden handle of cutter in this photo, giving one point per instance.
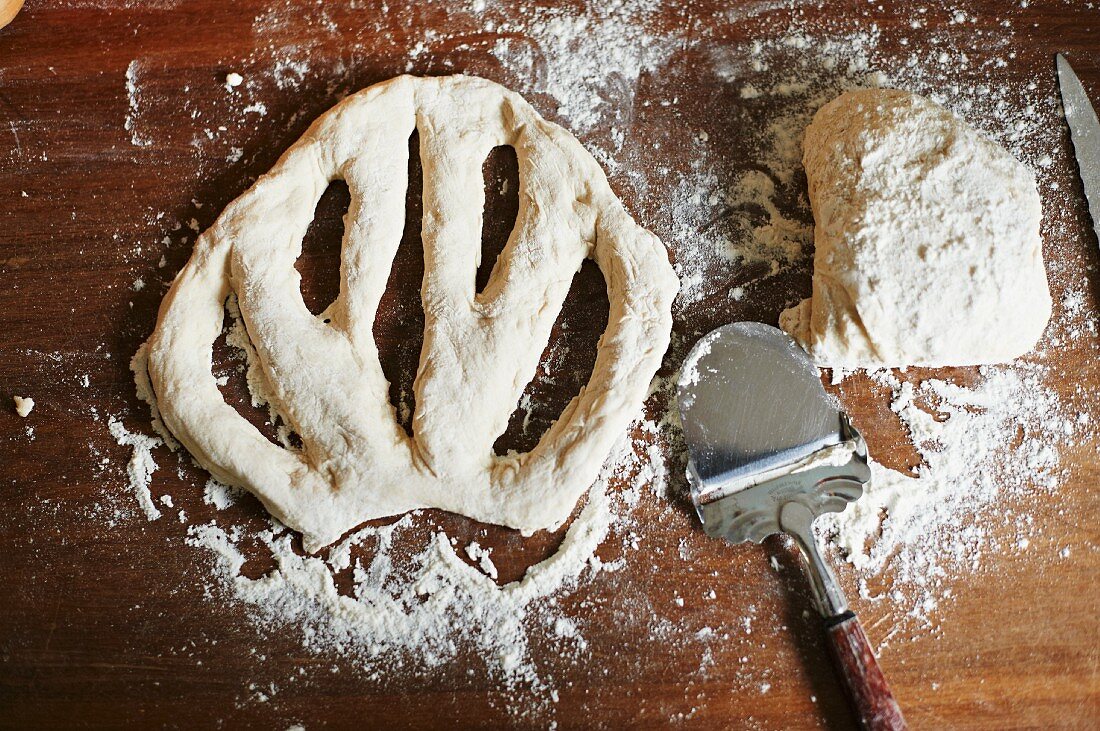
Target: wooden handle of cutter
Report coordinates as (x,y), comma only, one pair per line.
(868,690)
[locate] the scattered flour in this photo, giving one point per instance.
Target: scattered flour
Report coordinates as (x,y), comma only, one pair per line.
(982,445)
(432,606)
(590,63)
(778,240)
(133,100)
(289,73)
(141,466)
(481,556)
(219,495)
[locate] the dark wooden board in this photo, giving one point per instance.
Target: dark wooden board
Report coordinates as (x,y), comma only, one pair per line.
(106,625)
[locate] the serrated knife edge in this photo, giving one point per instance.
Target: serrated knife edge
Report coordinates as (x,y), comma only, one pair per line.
(1084,131)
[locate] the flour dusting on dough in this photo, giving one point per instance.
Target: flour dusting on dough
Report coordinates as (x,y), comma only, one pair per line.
(927,242)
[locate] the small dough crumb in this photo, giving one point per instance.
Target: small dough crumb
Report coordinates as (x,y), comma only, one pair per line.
(23,405)
(233,80)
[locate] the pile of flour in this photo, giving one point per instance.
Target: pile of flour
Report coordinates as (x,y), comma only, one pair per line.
(988,450)
(422,610)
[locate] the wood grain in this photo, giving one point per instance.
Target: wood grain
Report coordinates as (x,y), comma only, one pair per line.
(104,622)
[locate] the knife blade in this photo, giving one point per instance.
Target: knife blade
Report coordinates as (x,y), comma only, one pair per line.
(1084,131)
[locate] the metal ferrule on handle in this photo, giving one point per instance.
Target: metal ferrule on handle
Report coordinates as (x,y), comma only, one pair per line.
(797,521)
(870,694)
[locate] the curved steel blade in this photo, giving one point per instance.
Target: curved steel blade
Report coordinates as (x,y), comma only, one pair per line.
(751,400)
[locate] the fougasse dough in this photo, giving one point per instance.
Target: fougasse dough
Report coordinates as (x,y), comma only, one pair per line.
(480,350)
(928,250)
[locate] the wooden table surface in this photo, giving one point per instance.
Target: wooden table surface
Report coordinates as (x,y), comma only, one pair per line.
(104,623)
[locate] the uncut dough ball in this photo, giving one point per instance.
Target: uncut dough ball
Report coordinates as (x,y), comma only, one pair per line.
(927,239)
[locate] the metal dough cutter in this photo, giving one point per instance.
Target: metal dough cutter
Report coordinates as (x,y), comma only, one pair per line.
(769,452)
